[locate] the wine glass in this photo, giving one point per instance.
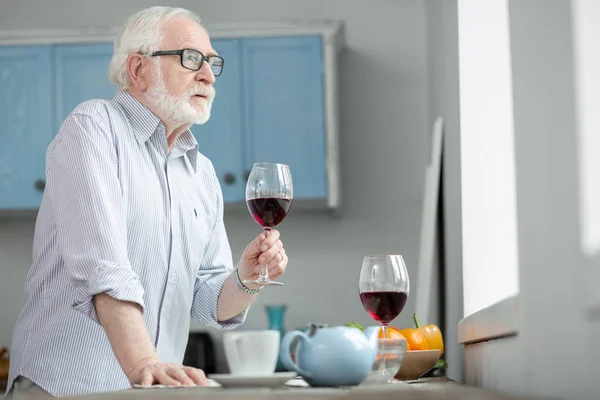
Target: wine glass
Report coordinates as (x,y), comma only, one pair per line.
(269,196)
(383,287)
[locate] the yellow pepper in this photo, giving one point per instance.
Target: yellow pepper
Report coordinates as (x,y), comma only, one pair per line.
(432,335)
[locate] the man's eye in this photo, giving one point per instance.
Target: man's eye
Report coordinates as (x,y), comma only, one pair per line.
(191,56)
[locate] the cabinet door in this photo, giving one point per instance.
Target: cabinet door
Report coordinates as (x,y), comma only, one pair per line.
(220,139)
(25,124)
(283,82)
(81,73)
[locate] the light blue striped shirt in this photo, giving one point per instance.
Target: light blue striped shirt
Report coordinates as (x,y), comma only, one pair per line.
(121,215)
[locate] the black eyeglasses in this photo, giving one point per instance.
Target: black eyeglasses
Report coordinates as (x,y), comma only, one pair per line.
(193,59)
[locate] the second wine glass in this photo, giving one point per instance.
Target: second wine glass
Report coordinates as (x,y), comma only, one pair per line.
(383,286)
(269,196)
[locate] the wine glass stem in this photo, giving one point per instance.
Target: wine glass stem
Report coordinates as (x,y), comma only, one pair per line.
(382,351)
(264,270)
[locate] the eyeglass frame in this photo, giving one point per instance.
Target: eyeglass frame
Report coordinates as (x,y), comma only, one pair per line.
(180,54)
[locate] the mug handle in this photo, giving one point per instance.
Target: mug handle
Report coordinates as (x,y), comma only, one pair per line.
(286,358)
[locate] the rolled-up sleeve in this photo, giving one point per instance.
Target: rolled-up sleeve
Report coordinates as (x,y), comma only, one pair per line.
(215,268)
(85,195)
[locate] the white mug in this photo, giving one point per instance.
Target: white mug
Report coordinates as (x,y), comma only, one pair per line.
(251,352)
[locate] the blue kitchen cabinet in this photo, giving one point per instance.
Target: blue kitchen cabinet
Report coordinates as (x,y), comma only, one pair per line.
(220,138)
(270,107)
(25,124)
(80,74)
(284,111)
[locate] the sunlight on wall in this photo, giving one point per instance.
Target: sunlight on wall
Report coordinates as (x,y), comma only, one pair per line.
(586,32)
(490,256)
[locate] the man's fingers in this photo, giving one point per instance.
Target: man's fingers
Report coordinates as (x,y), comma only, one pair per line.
(170,374)
(271,239)
(197,376)
(276,260)
(146,378)
(163,378)
(270,254)
(279,268)
(178,373)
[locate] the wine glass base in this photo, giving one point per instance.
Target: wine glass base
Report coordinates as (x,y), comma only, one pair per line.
(263,283)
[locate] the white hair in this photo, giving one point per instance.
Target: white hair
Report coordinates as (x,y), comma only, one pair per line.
(141,33)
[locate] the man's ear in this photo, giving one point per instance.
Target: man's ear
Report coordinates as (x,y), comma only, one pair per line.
(138,70)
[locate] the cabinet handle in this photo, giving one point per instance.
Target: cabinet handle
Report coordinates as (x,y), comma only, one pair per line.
(40,184)
(229,179)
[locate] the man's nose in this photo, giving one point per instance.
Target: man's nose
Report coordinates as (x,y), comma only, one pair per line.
(205,74)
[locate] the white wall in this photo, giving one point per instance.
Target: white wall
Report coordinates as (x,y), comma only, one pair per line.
(384,119)
(490,264)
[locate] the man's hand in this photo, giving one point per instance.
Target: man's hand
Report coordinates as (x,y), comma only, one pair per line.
(263,250)
(152,371)
(129,338)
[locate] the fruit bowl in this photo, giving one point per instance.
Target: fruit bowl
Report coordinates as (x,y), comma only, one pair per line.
(416,363)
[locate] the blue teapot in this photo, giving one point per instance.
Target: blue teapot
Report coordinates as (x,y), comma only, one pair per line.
(331,356)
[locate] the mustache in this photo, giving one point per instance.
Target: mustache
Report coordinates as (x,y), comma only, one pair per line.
(207,91)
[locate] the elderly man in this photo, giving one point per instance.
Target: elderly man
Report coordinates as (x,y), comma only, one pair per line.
(130,241)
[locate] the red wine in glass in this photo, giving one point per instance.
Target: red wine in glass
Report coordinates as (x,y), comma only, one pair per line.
(383,287)
(270,211)
(269,194)
(383,306)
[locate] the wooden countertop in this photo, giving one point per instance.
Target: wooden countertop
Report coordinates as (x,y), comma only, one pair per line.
(422,389)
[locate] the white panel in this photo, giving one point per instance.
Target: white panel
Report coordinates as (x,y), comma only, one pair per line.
(490,256)
(586,31)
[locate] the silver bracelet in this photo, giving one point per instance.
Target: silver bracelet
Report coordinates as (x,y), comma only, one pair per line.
(243,287)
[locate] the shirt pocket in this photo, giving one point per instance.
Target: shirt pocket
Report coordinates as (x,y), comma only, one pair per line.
(196,227)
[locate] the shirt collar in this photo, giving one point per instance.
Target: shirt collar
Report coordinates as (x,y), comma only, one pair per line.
(145,124)
(188,144)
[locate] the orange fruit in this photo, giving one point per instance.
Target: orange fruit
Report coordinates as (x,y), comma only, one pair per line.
(394,333)
(432,334)
(414,339)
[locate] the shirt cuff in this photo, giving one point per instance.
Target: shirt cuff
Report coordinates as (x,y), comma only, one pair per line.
(211,298)
(115,280)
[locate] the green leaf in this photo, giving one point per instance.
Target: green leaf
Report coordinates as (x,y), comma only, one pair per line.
(355,325)
(441,363)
